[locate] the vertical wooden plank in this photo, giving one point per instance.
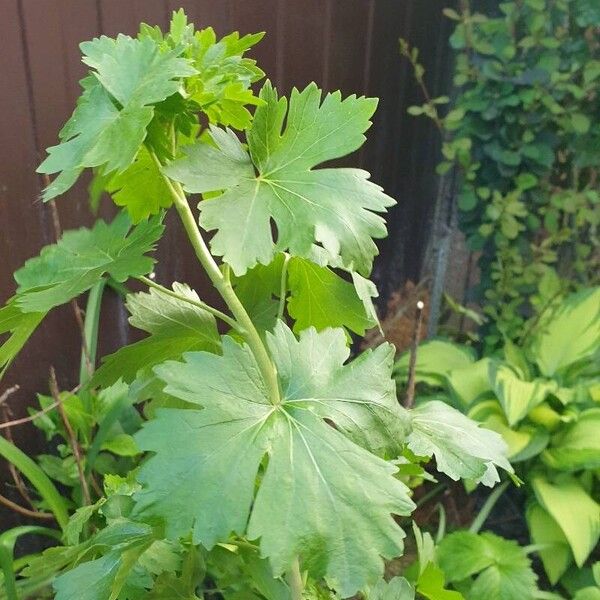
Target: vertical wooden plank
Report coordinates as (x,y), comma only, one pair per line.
(402,151)
(348,51)
(55,68)
(303,42)
(21,229)
(125,17)
(252,16)
(206,13)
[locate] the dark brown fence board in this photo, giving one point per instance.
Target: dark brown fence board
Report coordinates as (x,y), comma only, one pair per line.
(349,41)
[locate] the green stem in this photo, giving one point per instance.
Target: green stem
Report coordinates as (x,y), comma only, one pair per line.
(90,331)
(294,579)
(10,583)
(118,287)
(432,493)
(225,288)
(283,286)
(213,311)
(441,532)
(44,487)
(487,507)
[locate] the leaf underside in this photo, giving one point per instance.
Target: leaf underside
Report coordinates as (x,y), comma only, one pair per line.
(318,485)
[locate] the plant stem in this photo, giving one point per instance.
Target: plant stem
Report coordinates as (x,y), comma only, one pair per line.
(10,583)
(409,400)
(294,579)
(90,332)
(432,493)
(213,311)
(487,507)
(225,288)
(26,512)
(72,438)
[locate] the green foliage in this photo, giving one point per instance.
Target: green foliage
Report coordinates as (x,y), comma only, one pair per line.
(487,566)
(462,449)
(73,265)
(110,123)
(276,179)
(18,326)
(524,131)
(263,462)
(317,296)
(176,324)
(310,464)
(542,399)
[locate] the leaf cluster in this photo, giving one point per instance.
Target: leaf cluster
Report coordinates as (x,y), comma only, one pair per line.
(271,454)
(523,132)
(542,399)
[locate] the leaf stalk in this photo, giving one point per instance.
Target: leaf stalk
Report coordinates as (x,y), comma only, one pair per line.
(295,581)
(224,287)
(198,303)
(487,508)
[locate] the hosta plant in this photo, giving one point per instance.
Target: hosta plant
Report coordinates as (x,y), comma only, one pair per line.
(274,461)
(543,399)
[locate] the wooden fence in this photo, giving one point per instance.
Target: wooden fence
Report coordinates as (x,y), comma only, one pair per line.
(347,44)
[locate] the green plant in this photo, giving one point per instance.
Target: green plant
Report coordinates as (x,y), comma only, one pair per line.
(275,464)
(523,130)
(542,398)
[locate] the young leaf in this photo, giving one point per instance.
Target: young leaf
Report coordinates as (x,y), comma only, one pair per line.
(309,462)
(141,188)
(320,298)
(175,326)
(110,121)
(19,326)
(461,448)
(332,207)
(502,568)
(221,88)
(72,266)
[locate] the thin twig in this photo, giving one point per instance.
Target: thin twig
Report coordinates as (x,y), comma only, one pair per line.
(72,437)
(7,393)
(36,415)
(34,514)
(33,417)
(410,391)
